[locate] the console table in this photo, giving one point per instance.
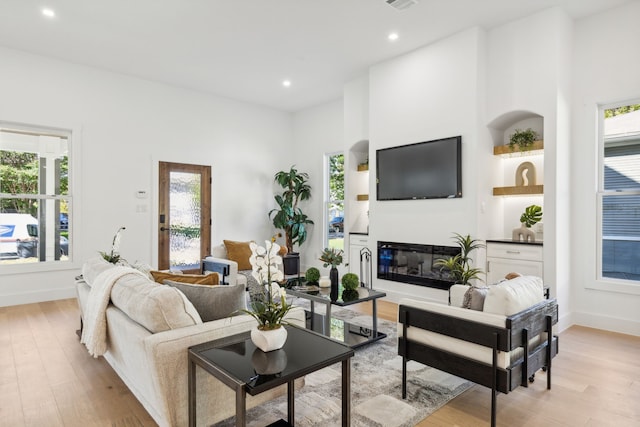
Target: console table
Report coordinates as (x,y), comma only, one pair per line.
(237,363)
(352,335)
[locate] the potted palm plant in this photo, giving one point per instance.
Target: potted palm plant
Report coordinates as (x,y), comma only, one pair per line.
(459,266)
(289,217)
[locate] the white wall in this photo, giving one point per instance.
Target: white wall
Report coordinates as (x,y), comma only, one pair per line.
(606,67)
(427,94)
(123,126)
(317,131)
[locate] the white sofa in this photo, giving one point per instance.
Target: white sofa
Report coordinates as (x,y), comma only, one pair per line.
(486,345)
(152,359)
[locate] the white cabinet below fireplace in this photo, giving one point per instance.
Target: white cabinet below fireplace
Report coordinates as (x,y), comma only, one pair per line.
(507,257)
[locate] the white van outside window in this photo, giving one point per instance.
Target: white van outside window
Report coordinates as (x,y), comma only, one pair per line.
(35,196)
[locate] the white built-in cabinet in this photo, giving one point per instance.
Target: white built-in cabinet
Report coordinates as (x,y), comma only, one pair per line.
(505,257)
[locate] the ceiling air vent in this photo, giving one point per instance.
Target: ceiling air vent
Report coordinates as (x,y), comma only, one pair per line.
(401,4)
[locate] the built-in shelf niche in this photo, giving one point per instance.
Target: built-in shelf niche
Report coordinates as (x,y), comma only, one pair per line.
(508,199)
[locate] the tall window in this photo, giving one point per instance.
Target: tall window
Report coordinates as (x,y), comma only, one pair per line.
(619,192)
(34,194)
(334,201)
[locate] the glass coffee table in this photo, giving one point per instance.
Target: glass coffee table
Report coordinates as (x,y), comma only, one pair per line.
(350,334)
(237,363)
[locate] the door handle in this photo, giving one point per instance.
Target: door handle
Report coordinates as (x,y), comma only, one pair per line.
(165,229)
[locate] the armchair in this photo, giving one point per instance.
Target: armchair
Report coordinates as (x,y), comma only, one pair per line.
(501,347)
(227,269)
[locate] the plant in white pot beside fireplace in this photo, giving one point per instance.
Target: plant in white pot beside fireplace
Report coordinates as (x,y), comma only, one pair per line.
(270,306)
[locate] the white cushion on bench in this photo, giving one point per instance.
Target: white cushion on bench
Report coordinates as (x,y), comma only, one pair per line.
(457,346)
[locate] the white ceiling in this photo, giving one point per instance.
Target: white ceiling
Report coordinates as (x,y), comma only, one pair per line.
(244,49)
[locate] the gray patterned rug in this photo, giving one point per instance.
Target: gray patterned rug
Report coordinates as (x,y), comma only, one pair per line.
(376,388)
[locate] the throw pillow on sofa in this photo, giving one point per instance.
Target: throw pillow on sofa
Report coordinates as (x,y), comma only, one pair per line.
(474,297)
(513,296)
(207,279)
(239,252)
(212,302)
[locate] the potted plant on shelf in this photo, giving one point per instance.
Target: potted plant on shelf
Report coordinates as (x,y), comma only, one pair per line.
(289,217)
(524,139)
(532,215)
(332,257)
(459,266)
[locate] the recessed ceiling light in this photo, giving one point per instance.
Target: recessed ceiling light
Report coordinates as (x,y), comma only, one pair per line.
(49,13)
(393,37)
(286,83)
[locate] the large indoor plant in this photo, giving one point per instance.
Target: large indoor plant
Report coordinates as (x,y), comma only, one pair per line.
(459,265)
(288,216)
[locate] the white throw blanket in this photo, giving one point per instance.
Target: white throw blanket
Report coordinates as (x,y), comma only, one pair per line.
(94,330)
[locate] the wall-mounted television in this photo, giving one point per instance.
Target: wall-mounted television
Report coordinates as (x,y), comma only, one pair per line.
(425,170)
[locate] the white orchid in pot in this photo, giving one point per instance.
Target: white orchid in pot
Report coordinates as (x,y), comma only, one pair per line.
(270,306)
(114,255)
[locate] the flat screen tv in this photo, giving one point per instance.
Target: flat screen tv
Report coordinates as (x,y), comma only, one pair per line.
(425,170)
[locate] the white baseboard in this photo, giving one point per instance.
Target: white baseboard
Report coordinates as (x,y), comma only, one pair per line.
(37,296)
(607,323)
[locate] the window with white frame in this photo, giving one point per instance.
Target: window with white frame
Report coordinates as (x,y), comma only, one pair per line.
(619,192)
(334,201)
(35,198)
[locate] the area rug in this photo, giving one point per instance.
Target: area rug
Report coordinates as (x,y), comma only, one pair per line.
(376,388)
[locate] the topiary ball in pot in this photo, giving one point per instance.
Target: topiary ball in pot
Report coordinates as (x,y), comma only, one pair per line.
(312,275)
(350,281)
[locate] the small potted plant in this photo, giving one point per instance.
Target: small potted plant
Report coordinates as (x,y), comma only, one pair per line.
(332,257)
(350,281)
(524,139)
(312,275)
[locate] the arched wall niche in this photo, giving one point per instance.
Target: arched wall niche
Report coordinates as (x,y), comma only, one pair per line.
(507,208)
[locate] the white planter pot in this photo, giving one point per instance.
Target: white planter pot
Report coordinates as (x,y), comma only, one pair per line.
(269,340)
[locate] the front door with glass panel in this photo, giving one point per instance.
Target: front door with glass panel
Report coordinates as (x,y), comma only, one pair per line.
(184,216)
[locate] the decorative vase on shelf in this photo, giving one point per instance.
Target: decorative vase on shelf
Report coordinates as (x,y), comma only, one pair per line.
(270,339)
(333,276)
(523,233)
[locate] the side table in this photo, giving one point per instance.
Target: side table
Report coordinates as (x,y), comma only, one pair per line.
(304,352)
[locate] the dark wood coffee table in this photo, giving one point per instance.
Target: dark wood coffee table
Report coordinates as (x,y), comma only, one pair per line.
(236,361)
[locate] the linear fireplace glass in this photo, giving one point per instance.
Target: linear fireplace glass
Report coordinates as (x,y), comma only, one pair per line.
(415,263)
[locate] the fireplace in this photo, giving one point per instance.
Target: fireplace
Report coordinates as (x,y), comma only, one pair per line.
(414,263)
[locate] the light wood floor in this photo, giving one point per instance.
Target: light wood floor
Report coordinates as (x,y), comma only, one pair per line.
(48,379)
